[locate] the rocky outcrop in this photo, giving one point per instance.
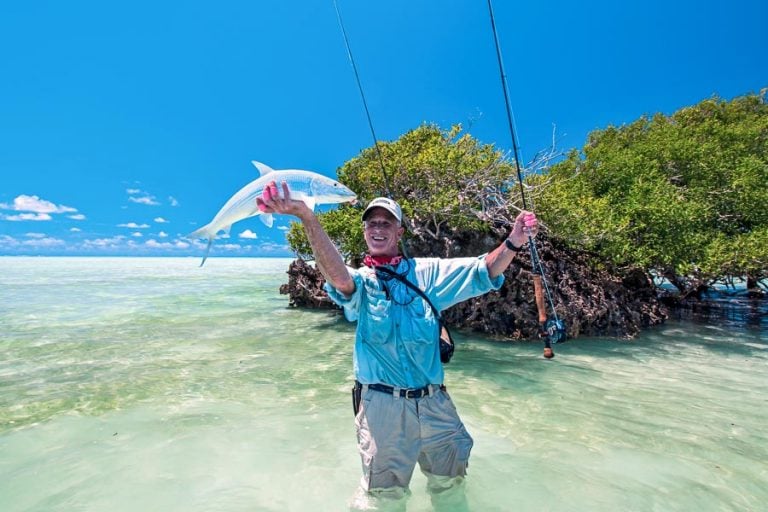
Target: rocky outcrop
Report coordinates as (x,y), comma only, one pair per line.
(590,301)
(305,287)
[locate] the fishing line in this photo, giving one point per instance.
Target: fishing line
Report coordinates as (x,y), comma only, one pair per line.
(367,114)
(365,103)
(552,330)
(510,120)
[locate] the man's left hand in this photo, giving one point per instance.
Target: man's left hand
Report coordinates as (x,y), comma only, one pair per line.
(526,224)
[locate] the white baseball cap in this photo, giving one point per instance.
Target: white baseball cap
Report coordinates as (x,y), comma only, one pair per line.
(386,203)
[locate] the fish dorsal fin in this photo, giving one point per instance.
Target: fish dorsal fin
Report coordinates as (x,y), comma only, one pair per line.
(264,169)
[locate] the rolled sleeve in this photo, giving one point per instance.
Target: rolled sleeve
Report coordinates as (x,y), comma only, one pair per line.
(350,304)
(458,279)
(485,276)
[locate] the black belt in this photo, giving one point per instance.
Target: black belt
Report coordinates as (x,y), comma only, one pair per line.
(404,393)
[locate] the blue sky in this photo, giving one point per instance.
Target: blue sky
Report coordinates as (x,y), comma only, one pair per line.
(124,126)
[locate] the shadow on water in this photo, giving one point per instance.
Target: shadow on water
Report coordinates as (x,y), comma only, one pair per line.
(738,312)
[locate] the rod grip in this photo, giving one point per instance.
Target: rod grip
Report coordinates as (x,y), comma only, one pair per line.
(539,292)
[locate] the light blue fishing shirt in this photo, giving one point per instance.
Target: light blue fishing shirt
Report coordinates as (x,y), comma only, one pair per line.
(396,342)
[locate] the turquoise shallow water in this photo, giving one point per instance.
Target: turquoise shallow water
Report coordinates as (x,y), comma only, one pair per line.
(152,384)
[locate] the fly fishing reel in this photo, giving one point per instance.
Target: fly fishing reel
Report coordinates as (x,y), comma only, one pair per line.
(554,329)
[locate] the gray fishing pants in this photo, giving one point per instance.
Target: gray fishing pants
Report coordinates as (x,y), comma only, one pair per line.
(394,433)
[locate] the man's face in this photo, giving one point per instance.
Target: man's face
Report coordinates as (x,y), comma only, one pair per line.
(382,233)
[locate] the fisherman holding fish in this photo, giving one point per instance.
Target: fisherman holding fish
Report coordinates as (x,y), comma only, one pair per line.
(404,414)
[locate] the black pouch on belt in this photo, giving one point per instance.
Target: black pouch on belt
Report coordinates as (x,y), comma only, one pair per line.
(446,344)
(357,395)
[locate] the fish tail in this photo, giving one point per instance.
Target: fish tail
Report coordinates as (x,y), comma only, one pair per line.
(207,233)
(207,250)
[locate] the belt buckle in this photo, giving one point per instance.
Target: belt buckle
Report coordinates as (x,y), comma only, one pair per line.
(415,393)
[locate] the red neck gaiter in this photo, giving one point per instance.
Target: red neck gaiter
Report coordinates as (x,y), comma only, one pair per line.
(377,261)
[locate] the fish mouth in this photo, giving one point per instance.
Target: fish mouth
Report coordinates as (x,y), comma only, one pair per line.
(354,201)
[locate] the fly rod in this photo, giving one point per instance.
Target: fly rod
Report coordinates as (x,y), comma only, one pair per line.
(365,103)
(552,330)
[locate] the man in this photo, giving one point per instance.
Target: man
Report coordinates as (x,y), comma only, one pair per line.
(405,415)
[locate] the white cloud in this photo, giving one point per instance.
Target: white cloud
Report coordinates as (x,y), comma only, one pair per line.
(250,235)
(137,234)
(133,225)
(173,201)
(26,216)
(77,216)
(36,240)
(6,240)
(154,244)
(272,248)
(148,200)
(75,230)
(105,242)
(34,209)
(162,234)
(161,220)
(43,242)
(177,244)
(25,203)
(141,197)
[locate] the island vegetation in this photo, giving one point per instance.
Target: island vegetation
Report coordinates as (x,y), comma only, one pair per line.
(680,198)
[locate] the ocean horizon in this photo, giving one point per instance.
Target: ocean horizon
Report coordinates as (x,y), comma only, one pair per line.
(150,383)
